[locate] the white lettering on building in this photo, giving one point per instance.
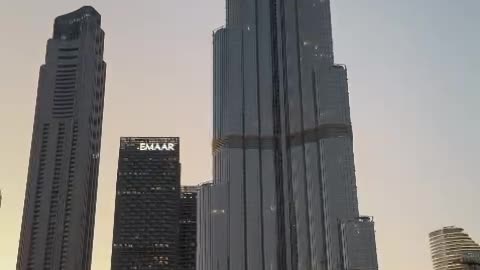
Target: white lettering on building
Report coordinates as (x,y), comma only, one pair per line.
(157,147)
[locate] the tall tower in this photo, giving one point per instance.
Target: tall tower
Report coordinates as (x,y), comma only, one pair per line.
(453,249)
(146,225)
(155,218)
(187,245)
(59,208)
(284,193)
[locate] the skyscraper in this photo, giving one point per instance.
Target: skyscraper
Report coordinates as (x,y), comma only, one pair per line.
(453,249)
(59,209)
(146,224)
(284,177)
(187,247)
(155,218)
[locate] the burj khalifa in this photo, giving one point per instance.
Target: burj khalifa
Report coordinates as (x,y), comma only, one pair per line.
(284,193)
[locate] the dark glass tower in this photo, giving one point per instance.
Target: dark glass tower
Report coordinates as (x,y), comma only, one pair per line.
(188,228)
(59,209)
(284,177)
(154,217)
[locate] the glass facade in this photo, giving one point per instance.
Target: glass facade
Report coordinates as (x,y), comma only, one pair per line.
(146,223)
(284,175)
(61,192)
(155,218)
(187,246)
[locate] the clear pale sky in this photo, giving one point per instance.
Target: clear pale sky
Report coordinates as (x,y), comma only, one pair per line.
(413,74)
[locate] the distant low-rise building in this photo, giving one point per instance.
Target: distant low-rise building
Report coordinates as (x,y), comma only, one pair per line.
(453,249)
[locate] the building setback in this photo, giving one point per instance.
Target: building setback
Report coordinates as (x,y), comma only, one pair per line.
(59,208)
(154,226)
(284,181)
(358,237)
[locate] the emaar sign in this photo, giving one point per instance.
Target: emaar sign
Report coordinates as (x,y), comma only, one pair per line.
(157,147)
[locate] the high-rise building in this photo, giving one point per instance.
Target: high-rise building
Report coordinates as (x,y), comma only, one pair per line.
(284,177)
(155,218)
(187,247)
(146,223)
(61,192)
(453,249)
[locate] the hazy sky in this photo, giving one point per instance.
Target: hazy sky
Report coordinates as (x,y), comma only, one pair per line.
(413,74)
